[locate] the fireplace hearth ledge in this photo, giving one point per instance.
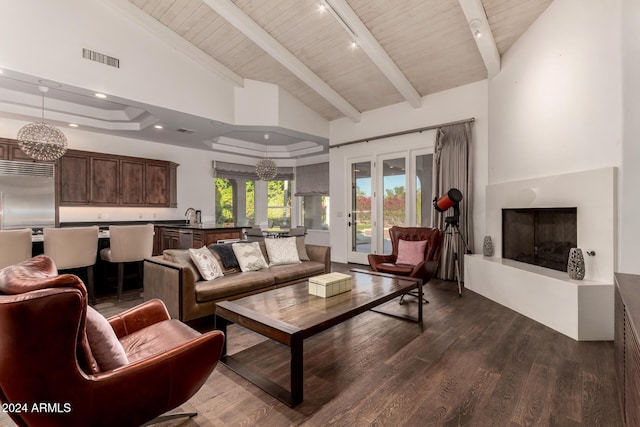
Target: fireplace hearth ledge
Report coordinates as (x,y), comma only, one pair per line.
(580,309)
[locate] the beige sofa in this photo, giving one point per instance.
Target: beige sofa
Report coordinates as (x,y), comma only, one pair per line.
(174,279)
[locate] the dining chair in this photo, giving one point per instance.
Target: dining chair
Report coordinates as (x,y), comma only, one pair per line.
(73,247)
(128,244)
(15,246)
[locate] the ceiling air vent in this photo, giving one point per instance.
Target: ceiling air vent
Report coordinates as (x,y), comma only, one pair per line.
(92,55)
(187,131)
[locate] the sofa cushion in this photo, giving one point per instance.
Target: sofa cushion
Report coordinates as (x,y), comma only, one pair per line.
(182,257)
(249,256)
(289,272)
(282,251)
(232,285)
(207,264)
(225,254)
(302,249)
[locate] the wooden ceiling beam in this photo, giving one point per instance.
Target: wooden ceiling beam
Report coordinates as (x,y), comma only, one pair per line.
(474,10)
(139,17)
(236,17)
(351,22)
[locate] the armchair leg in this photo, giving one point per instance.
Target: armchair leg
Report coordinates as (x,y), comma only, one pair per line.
(169,417)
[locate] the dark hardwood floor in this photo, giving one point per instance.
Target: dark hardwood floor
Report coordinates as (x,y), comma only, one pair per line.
(472,363)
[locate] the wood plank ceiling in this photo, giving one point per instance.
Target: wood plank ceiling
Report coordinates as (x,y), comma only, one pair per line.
(428,40)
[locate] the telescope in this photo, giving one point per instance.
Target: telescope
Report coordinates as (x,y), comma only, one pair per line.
(450,199)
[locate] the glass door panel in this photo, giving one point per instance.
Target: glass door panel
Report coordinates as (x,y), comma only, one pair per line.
(394,200)
(361,221)
(424,167)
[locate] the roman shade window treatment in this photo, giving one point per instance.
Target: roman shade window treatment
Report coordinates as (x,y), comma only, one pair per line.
(238,171)
(312,180)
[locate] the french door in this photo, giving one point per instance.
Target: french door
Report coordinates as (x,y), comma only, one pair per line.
(361,215)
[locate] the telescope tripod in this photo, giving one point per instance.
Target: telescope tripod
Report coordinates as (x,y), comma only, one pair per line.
(452,228)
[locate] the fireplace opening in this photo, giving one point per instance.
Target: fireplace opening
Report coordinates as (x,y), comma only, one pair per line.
(539,236)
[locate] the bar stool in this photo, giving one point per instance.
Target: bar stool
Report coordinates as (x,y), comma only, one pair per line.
(128,243)
(15,246)
(73,247)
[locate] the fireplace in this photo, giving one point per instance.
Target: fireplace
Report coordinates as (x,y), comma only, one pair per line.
(539,236)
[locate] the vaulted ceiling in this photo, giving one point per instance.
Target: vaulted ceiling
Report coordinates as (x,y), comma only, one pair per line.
(403,49)
(338,57)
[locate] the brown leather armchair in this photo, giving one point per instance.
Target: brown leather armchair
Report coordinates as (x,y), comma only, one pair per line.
(423,270)
(49,376)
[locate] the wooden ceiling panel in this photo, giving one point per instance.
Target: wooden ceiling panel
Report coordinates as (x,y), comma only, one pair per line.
(429,40)
(509,19)
(318,40)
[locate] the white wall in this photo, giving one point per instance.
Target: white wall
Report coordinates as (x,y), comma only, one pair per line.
(447,106)
(45,39)
(555,106)
(630,196)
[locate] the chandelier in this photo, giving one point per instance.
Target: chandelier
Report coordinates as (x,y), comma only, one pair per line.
(266,169)
(42,141)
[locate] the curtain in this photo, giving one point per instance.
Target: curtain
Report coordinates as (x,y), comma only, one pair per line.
(452,169)
(238,171)
(312,180)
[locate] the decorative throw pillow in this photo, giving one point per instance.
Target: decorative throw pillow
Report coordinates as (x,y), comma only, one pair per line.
(411,252)
(104,343)
(249,256)
(207,265)
(282,251)
(226,254)
(302,249)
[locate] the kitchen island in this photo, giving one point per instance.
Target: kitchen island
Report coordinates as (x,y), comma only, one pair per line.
(187,236)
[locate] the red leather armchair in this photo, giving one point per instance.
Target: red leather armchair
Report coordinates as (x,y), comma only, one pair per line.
(48,375)
(423,270)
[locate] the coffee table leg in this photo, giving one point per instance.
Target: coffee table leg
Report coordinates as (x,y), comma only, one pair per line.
(296,371)
(221,325)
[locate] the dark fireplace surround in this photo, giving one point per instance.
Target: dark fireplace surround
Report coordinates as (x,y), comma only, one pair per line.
(539,236)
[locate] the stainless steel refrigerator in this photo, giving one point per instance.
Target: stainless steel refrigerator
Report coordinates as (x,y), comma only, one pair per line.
(27,195)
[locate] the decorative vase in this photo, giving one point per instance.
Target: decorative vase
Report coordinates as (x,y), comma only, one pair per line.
(487,246)
(575,265)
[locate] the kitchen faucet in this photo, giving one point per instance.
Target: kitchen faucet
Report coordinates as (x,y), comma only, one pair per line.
(191,215)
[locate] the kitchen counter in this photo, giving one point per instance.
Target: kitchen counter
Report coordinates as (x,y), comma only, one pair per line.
(185,236)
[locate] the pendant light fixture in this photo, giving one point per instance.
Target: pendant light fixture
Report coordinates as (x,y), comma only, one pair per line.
(266,169)
(42,141)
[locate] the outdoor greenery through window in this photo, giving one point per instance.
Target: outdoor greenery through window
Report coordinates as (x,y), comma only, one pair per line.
(315,211)
(235,202)
(279,203)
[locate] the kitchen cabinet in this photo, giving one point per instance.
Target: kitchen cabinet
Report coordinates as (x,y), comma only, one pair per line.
(169,238)
(9,150)
(91,179)
(132,182)
(627,345)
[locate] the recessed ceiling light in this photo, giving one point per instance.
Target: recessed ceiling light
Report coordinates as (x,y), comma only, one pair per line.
(322,8)
(266,136)
(158,126)
(73,125)
(1,71)
(354,44)
(100,95)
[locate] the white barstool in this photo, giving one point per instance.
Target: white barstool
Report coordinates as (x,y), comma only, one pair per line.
(73,247)
(128,243)
(15,246)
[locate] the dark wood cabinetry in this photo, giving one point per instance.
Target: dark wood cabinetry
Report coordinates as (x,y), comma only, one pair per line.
(627,345)
(86,178)
(132,182)
(9,150)
(186,237)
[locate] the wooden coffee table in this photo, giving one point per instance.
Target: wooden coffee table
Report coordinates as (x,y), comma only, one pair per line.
(289,315)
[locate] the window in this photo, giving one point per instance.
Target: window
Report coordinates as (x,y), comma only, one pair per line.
(315,212)
(279,203)
(235,202)
(424,167)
